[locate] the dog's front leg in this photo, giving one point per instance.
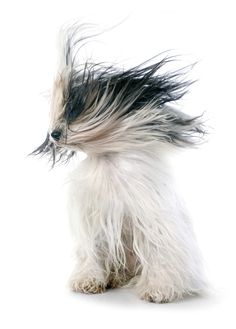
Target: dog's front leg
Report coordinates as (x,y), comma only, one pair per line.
(89,274)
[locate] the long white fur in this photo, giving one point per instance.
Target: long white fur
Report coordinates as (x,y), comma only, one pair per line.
(134,191)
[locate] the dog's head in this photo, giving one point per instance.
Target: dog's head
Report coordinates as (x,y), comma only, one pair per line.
(101,109)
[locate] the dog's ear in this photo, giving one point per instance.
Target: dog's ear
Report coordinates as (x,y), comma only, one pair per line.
(179,128)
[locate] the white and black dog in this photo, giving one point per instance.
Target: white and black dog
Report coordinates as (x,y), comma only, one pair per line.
(130,227)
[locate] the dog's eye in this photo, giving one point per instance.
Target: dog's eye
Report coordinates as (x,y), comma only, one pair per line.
(56,134)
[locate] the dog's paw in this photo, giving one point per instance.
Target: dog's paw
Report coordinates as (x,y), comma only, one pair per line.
(117,280)
(87,286)
(158,296)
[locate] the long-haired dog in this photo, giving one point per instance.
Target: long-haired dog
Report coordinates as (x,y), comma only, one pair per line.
(129,225)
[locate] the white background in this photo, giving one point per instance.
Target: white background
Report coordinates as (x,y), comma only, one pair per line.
(35,247)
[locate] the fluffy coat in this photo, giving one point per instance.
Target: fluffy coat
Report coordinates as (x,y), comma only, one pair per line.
(129,224)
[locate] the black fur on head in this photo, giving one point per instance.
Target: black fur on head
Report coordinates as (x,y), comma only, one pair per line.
(133,88)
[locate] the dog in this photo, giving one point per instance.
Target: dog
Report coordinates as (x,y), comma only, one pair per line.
(130,226)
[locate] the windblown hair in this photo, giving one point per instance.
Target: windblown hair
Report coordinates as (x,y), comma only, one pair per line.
(126,218)
(103,109)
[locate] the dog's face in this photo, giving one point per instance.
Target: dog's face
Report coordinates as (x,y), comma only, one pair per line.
(100,109)
(84,110)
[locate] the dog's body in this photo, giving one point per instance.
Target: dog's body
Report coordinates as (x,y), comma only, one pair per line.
(129,225)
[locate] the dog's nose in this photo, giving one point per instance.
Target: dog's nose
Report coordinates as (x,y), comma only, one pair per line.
(56,134)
